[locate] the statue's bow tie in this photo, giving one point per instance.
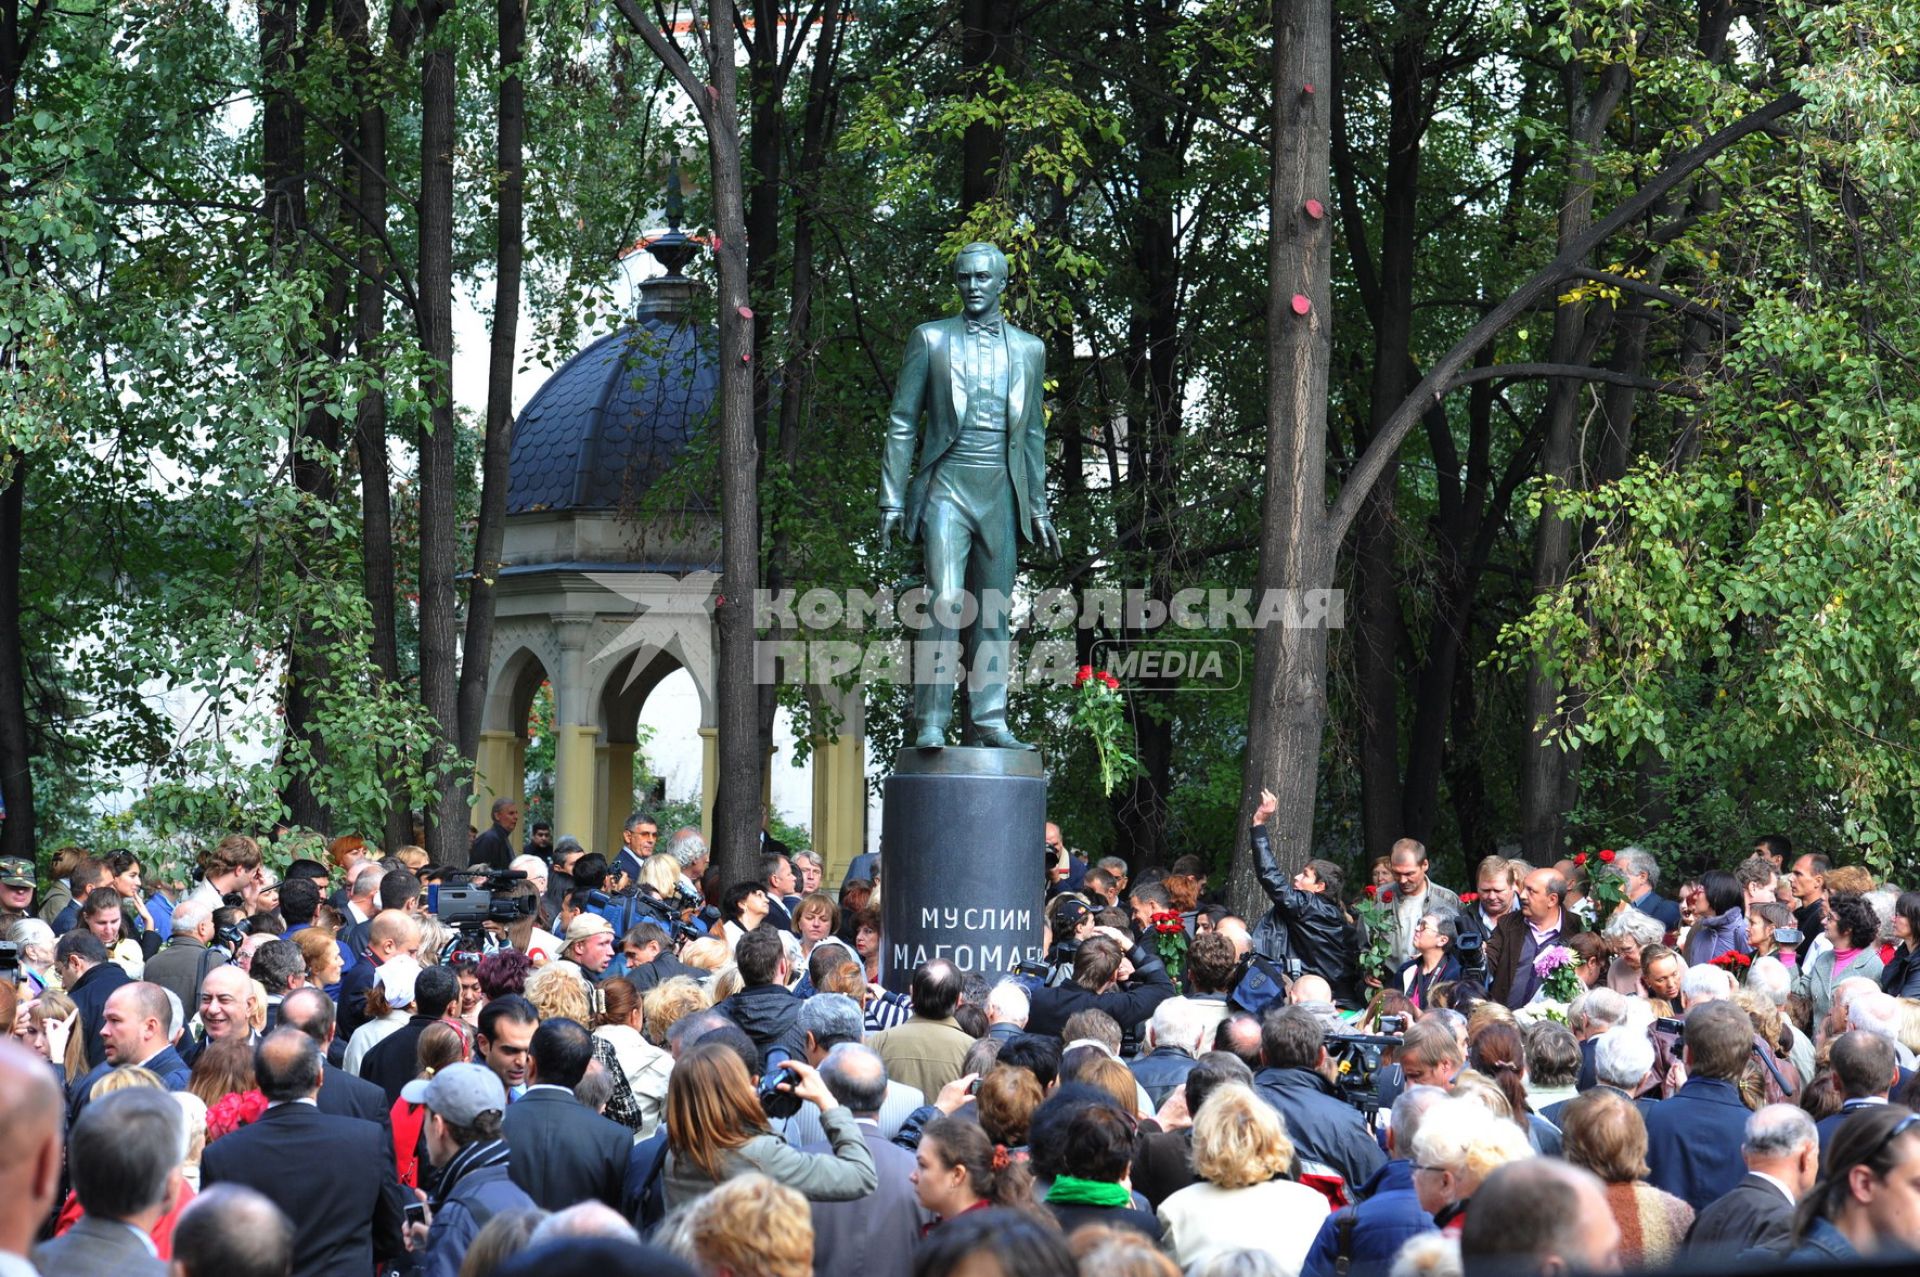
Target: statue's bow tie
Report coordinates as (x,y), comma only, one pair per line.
(991,327)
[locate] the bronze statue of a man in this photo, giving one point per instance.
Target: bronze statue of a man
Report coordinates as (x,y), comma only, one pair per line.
(978,491)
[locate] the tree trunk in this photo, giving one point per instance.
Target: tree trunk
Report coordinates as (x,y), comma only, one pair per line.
(986,44)
(16,749)
(448,830)
(369,167)
(1287,703)
(1545,767)
(509,252)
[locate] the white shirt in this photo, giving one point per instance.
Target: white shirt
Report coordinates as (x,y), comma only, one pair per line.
(1779,1184)
(12,1265)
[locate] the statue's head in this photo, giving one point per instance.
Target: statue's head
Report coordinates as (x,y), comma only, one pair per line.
(980,273)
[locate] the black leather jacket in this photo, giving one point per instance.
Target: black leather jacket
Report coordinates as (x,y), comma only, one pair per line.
(1304,925)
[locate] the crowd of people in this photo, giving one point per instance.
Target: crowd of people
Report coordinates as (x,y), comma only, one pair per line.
(621,1064)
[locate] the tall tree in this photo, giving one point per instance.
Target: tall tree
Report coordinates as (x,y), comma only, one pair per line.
(447,820)
(736,813)
(509,255)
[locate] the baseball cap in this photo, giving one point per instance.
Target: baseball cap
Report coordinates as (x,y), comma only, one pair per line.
(587,925)
(16,871)
(460,1093)
(396,977)
(1068,916)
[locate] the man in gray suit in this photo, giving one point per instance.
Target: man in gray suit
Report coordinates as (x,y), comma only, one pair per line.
(125,1155)
(979,490)
(875,1236)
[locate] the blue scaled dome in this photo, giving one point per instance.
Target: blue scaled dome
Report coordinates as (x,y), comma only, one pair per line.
(617,416)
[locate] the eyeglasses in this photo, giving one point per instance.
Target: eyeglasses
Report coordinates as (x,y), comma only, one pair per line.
(1431,1170)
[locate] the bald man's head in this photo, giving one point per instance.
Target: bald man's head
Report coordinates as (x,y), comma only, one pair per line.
(226,1003)
(30,1114)
(392,932)
(230,1231)
(1310,988)
(287,1066)
(137,1023)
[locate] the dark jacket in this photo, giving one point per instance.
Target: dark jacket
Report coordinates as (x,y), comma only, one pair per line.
(1386,1215)
(1829,1126)
(332,1176)
(663,967)
(769,1015)
(1508,942)
(90,993)
(344,1095)
(1655,905)
(1324,1127)
(1755,1214)
(180,967)
(1140,1221)
(1901,977)
(1411,977)
(353,996)
(1693,1141)
(395,1059)
(1051,1008)
(167,1065)
(1162,1164)
(563,1151)
(493,847)
(474,1187)
(1824,1244)
(1161,1072)
(1303,925)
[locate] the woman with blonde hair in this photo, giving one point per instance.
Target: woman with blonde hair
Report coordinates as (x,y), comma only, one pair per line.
(717,1129)
(668,1002)
(1241,1198)
(1454,1150)
(751,1224)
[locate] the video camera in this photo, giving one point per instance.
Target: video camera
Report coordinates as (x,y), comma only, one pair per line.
(468,908)
(1470,951)
(1356,1062)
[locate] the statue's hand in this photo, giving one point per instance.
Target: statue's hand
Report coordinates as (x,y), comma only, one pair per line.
(889,526)
(1049,539)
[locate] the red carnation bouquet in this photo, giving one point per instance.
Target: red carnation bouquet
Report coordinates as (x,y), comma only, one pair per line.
(1733,962)
(1101,712)
(1170,941)
(233,1111)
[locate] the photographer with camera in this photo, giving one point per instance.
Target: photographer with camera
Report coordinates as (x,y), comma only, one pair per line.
(717,1128)
(1307,922)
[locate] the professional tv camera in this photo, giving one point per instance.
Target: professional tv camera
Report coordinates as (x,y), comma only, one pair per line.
(467,910)
(1355,1058)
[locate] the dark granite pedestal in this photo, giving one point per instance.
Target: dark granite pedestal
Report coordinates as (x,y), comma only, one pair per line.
(963,860)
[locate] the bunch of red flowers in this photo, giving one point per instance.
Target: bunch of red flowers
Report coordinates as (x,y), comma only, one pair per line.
(1088,674)
(1170,940)
(1604,856)
(1469,897)
(1383,895)
(1731,961)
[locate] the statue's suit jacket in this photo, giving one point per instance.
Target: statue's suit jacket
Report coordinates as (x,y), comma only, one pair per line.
(934,381)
